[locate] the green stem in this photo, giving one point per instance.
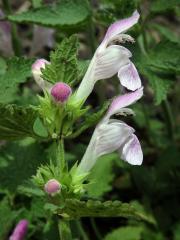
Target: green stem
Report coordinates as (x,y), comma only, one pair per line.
(169,118)
(81,230)
(14,34)
(64,229)
(61,163)
(96,231)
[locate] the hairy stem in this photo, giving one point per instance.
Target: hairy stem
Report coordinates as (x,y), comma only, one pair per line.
(61,163)
(64,229)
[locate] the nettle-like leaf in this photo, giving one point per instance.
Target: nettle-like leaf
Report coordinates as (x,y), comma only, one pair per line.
(101,176)
(64,66)
(15,71)
(159,84)
(69,15)
(16,122)
(19,162)
(160,67)
(165,57)
(125,233)
(76,209)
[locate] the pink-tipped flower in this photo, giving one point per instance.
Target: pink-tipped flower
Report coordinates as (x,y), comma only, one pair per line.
(114,135)
(52,187)
(60,92)
(111,58)
(20,230)
(36,71)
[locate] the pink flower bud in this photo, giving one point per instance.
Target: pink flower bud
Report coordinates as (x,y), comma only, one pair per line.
(36,71)
(60,92)
(20,230)
(52,186)
(39,63)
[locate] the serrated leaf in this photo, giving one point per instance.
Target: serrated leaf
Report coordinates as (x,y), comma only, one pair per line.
(68,15)
(167,59)
(76,209)
(101,176)
(82,68)
(63,67)
(125,233)
(16,122)
(16,71)
(159,69)
(161,86)
(21,161)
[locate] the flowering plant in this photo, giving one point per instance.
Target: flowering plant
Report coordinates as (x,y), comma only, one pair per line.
(81,139)
(66,107)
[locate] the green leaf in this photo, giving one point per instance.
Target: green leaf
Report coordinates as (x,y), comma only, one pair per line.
(37,3)
(82,68)
(101,176)
(68,15)
(160,68)
(39,128)
(76,209)
(125,233)
(16,122)
(158,6)
(7,217)
(20,163)
(15,71)
(160,85)
(167,59)
(63,60)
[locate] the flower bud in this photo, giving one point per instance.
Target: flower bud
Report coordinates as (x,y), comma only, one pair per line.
(20,230)
(36,70)
(52,186)
(60,92)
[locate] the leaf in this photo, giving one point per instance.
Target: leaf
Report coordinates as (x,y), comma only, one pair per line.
(63,60)
(101,176)
(76,209)
(16,122)
(16,71)
(160,68)
(82,68)
(20,163)
(67,14)
(7,217)
(167,59)
(161,86)
(125,233)
(158,6)
(39,128)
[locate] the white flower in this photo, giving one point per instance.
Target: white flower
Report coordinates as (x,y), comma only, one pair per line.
(110,59)
(111,135)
